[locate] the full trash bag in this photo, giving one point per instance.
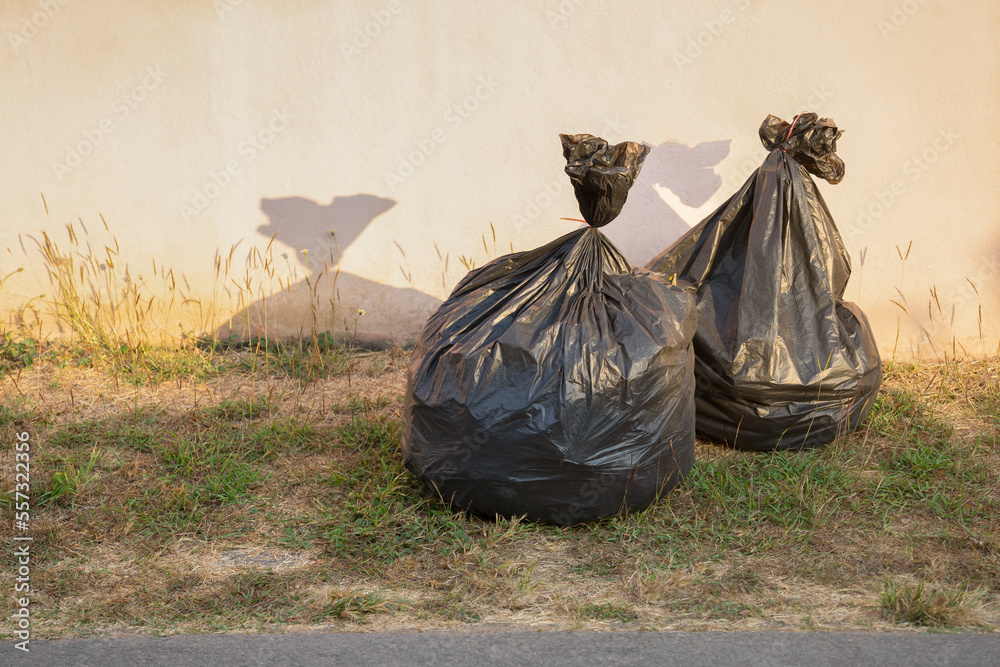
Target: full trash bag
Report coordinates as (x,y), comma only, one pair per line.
(782,362)
(557,383)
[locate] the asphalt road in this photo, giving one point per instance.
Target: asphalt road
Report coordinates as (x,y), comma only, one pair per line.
(444,649)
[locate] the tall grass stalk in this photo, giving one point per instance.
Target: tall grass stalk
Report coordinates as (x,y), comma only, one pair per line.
(118,313)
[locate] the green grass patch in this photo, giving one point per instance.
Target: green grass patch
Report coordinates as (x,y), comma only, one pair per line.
(16,414)
(137,430)
(153,365)
(282,435)
(362,404)
(17,352)
(217,471)
(69,479)
(609,612)
(241,409)
(260,594)
(923,605)
(130,511)
(305,359)
(375,432)
(901,415)
(378,512)
(141,365)
(926,468)
(790,490)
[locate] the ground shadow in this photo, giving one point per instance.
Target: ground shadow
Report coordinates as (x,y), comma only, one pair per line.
(309,239)
(668,198)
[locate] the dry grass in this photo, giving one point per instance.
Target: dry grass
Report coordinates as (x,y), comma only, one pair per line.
(247,498)
(919,604)
(183,483)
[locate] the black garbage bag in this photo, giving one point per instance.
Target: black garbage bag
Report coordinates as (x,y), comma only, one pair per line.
(557,383)
(782,362)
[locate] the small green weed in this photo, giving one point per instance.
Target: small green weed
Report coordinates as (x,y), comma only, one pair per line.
(730,609)
(166,507)
(142,365)
(452,610)
(231,482)
(932,471)
(304,359)
(921,605)
(902,415)
(223,474)
(601,563)
(138,431)
(380,513)
(17,352)
(373,432)
(260,593)
(609,612)
(16,413)
(356,404)
(351,605)
(238,410)
(281,435)
(69,481)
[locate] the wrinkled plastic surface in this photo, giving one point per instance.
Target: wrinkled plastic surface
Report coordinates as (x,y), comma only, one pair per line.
(601,174)
(782,362)
(556,383)
(811,140)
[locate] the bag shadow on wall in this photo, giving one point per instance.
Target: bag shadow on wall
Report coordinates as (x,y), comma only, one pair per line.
(330,297)
(668,197)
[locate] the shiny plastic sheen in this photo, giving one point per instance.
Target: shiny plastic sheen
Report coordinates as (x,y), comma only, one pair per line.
(601,174)
(556,383)
(782,362)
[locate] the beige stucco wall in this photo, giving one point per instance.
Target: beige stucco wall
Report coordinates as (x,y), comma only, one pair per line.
(408,128)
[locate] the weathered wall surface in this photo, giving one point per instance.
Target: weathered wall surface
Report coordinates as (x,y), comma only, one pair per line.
(406,129)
